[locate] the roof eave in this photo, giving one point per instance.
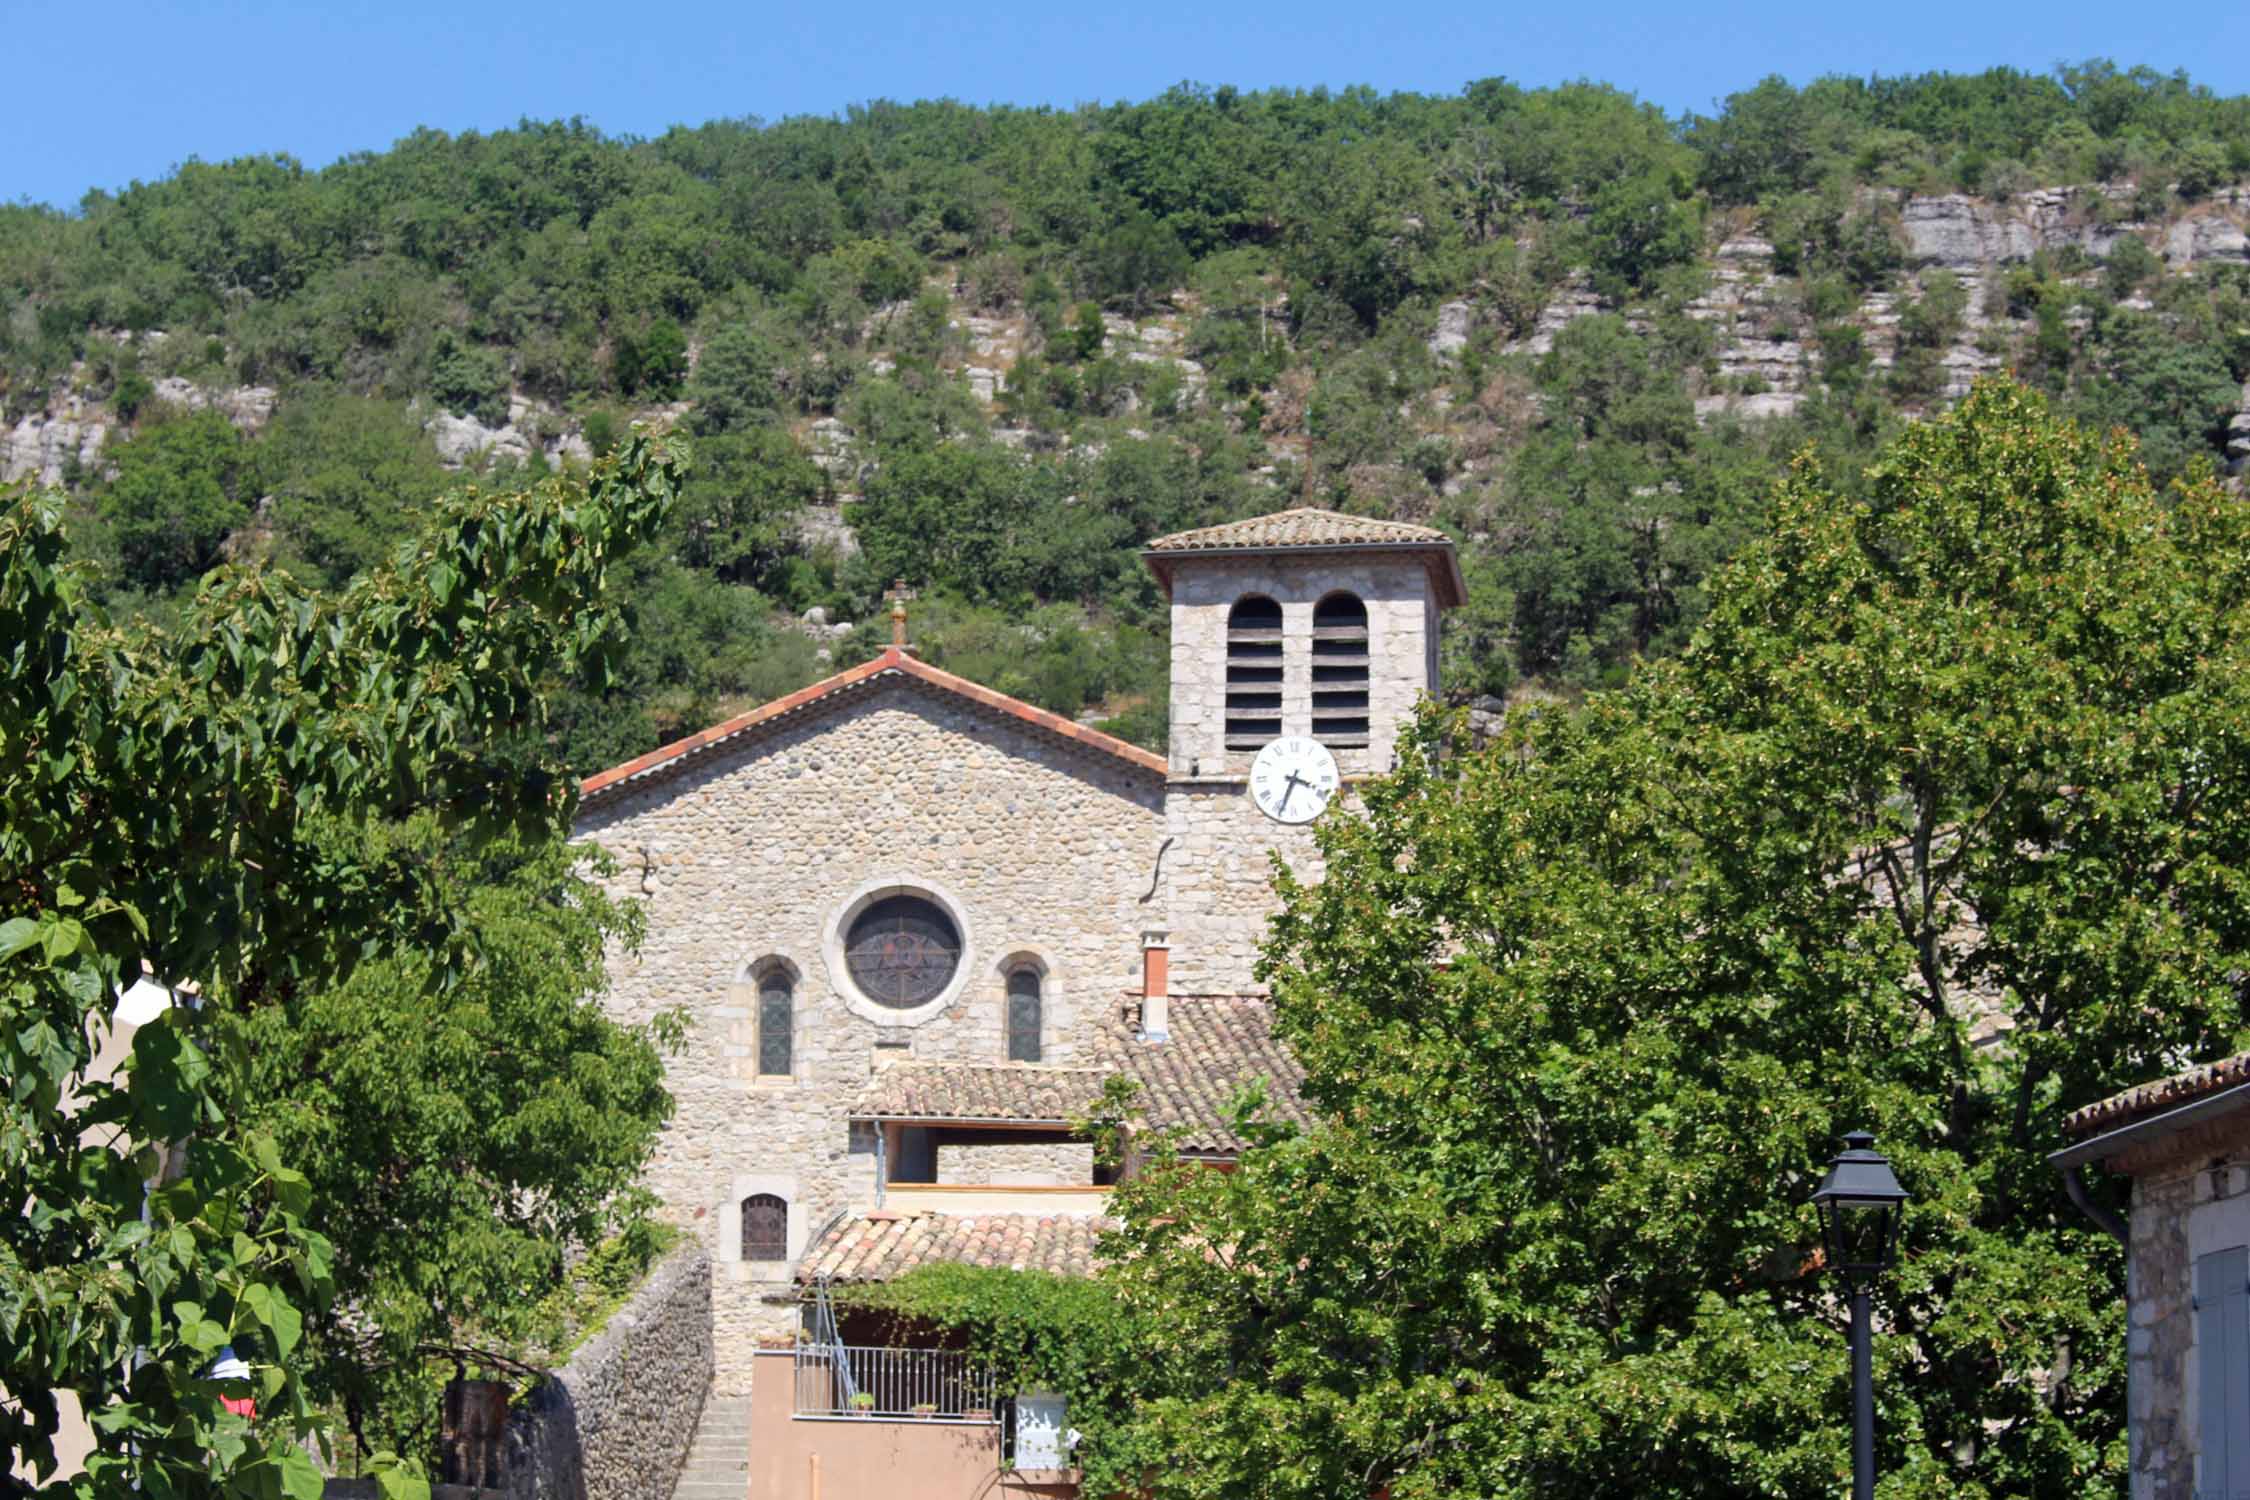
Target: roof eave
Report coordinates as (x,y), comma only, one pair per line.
(2150,1128)
(1444,562)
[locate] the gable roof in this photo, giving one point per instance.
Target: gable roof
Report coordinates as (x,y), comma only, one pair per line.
(884,1243)
(893,663)
(1308,528)
(1215,1044)
(998,1093)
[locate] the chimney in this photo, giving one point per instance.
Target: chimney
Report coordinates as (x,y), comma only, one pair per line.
(1156,986)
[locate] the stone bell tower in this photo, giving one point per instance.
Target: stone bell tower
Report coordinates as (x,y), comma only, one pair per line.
(1304,623)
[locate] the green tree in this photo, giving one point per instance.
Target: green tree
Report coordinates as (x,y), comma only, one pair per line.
(460,1141)
(734,384)
(1937,829)
(180,490)
(1137,263)
(282,729)
(345,473)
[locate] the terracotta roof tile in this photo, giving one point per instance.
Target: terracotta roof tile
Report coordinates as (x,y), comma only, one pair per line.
(1305,526)
(892,663)
(1216,1044)
(1028,1092)
(879,1246)
(2154,1098)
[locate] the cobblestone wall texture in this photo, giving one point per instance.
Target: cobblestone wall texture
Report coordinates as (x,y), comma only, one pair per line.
(616,1422)
(757,854)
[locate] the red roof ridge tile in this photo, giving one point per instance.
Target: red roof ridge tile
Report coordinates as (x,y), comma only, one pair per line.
(891,659)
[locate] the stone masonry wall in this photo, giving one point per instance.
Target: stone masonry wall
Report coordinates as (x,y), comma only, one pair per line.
(1217,869)
(1015,1163)
(757,855)
(1220,880)
(2191,1196)
(2160,1332)
(616,1422)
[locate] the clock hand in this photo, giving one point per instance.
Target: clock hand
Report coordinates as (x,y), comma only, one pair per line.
(1295,781)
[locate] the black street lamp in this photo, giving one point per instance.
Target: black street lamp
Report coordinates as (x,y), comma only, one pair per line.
(1859,1203)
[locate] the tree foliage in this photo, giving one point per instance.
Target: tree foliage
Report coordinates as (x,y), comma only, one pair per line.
(1936,829)
(203,803)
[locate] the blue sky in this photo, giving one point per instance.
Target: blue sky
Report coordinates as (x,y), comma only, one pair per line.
(100,96)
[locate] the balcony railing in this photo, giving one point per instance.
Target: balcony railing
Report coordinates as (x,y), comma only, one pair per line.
(853,1380)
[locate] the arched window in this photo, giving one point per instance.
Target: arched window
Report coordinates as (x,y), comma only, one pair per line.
(1024,1014)
(777,1022)
(1339,670)
(1253,672)
(765,1227)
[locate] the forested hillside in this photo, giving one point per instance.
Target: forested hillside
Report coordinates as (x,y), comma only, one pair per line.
(991,350)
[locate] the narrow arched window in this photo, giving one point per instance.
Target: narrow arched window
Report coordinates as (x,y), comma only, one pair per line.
(777,1023)
(765,1227)
(1253,672)
(1024,1015)
(1339,670)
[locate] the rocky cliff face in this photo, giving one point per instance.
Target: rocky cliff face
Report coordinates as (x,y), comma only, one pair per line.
(1764,358)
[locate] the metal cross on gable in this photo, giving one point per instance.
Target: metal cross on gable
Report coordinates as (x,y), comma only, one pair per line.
(898,595)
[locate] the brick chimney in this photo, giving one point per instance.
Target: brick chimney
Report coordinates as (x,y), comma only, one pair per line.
(1156,986)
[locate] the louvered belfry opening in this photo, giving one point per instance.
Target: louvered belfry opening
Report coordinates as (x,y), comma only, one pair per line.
(1253,672)
(1339,671)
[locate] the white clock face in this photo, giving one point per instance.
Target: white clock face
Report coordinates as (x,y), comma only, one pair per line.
(1293,778)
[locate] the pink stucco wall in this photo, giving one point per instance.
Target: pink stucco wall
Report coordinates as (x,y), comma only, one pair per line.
(871,1458)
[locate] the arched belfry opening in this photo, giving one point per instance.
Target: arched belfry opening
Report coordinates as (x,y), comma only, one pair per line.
(1340,658)
(1253,672)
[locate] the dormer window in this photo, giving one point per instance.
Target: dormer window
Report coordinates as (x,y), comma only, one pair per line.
(1254,672)
(1340,657)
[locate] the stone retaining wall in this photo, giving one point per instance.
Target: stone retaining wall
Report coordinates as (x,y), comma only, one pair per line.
(615,1423)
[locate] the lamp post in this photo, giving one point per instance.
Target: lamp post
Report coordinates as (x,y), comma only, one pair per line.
(1859,1203)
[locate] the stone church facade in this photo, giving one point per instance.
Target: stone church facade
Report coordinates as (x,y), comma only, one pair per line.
(914,922)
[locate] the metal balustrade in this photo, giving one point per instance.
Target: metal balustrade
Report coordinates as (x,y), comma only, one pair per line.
(850,1380)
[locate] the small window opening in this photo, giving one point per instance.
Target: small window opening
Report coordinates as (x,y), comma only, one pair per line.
(1253,673)
(777,1024)
(1024,1015)
(1340,658)
(765,1227)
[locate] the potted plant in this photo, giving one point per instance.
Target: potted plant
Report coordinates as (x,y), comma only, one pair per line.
(862,1402)
(925,1409)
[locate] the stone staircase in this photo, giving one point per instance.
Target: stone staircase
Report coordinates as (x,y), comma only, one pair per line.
(718,1461)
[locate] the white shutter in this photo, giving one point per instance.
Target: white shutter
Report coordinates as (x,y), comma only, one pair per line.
(2222,1352)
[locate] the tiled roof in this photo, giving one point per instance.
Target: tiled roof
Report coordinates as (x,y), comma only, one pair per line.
(1216,1044)
(892,663)
(2155,1098)
(1306,526)
(883,1244)
(1027,1092)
